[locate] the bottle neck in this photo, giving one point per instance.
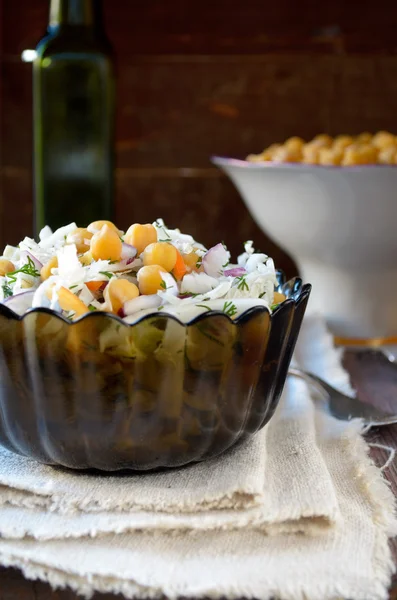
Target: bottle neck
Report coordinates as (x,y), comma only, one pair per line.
(72,13)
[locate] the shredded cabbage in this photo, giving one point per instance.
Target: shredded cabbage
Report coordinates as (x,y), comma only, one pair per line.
(203,287)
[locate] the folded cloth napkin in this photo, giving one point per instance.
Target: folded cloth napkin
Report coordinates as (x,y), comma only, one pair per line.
(305,473)
(244,492)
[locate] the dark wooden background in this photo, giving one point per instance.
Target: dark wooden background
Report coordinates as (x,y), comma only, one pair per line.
(201,78)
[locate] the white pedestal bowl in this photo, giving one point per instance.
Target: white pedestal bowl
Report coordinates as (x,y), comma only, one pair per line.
(340,226)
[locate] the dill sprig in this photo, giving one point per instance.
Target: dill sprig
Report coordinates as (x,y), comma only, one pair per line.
(7,291)
(243,285)
(203,306)
(28,269)
(229,309)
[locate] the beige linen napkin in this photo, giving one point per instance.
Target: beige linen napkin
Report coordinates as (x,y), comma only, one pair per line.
(294,492)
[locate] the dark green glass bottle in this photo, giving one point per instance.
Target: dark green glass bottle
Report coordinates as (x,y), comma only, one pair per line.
(73,91)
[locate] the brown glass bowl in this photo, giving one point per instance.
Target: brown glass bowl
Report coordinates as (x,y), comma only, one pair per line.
(102,394)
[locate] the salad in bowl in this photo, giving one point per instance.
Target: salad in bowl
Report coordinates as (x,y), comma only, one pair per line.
(147,269)
(139,349)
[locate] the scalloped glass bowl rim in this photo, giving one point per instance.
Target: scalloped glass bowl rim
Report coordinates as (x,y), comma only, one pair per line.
(222,161)
(247,314)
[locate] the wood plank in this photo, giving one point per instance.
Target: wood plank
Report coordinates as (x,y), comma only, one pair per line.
(237,105)
(220,27)
(16,113)
(1,119)
(178,111)
(16,194)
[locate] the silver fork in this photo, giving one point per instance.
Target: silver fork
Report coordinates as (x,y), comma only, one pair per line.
(344,407)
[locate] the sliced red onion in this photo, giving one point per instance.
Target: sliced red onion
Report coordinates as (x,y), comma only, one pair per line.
(128,253)
(38,265)
(141,303)
(235,272)
(215,260)
(20,303)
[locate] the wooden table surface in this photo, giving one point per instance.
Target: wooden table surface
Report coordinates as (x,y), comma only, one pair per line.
(376,381)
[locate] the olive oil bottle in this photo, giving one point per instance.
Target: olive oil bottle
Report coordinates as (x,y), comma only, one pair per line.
(73,118)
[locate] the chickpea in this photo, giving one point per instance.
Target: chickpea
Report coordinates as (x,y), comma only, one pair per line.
(311,153)
(283,154)
(342,141)
(69,302)
(6,266)
(150,280)
(118,292)
(255,158)
(360,154)
(383,139)
(388,156)
(368,154)
(346,150)
(81,238)
(160,253)
(141,236)
(106,244)
(330,156)
(268,153)
(191,261)
(323,139)
(97,226)
(365,138)
(350,157)
(46,270)
(295,144)
(86,258)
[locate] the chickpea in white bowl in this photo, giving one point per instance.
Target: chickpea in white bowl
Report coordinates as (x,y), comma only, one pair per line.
(342,150)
